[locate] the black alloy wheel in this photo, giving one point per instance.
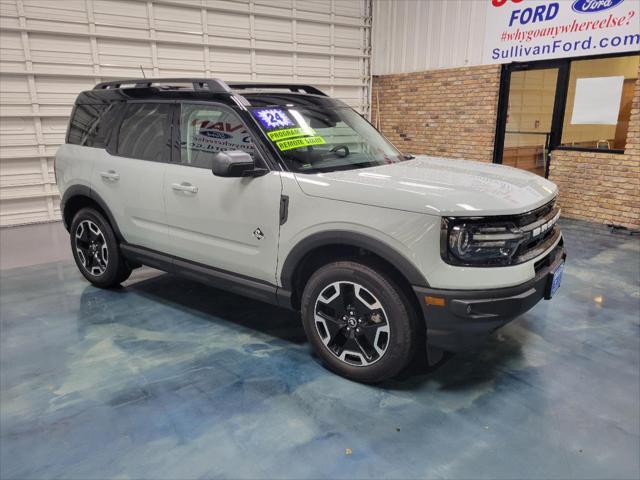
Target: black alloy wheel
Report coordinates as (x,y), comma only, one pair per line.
(359,321)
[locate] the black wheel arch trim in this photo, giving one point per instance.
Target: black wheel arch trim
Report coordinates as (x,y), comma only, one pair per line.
(352,239)
(86,191)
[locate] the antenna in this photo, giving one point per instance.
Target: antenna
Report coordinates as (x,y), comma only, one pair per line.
(142,70)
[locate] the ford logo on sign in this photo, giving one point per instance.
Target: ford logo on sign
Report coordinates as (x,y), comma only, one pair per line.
(593,6)
(214,133)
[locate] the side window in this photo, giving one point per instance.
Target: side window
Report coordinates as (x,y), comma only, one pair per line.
(144,131)
(90,125)
(206,130)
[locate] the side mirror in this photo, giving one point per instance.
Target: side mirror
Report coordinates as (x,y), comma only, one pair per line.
(233,163)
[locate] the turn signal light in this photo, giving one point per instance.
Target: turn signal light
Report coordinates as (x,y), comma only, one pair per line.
(434,301)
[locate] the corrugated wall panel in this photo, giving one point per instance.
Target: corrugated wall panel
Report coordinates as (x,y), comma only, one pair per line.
(51,50)
(415,35)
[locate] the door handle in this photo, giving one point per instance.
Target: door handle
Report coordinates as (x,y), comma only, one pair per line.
(110,175)
(184,187)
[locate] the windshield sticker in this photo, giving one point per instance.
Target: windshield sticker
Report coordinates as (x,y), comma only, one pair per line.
(289,133)
(299,142)
(271,118)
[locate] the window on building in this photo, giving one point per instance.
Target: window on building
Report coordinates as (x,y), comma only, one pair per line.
(207,130)
(598,106)
(144,131)
(570,104)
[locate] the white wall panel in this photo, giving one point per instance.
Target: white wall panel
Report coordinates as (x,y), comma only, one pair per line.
(415,35)
(50,50)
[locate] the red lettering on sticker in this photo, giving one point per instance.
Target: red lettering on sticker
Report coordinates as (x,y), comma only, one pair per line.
(232,129)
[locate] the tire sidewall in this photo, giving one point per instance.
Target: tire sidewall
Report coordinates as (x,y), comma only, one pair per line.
(397,309)
(112,273)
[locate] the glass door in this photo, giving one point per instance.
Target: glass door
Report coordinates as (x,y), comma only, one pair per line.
(526,136)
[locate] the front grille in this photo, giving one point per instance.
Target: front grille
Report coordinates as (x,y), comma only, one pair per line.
(544,231)
(533,216)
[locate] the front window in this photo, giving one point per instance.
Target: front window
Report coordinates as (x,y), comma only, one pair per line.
(314,139)
(206,130)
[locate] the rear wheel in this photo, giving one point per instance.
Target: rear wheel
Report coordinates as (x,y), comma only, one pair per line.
(96,251)
(358,321)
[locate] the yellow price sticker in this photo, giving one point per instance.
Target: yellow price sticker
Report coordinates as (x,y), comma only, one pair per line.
(299,142)
(289,133)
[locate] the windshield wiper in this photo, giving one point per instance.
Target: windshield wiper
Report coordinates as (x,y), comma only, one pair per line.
(408,156)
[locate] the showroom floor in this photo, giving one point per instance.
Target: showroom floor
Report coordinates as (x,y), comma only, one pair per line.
(169,379)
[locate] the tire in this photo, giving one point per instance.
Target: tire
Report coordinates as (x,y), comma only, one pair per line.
(375,339)
(96,251)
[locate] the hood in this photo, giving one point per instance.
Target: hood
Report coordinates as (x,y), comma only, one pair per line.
(437,186)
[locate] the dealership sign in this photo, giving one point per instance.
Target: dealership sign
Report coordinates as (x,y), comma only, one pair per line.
(527,30)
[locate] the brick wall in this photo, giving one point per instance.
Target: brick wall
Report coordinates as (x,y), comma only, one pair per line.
(452,113)
(446,113)
(602,187)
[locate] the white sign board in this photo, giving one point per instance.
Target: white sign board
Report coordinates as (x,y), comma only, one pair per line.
(597,101)
(529,30)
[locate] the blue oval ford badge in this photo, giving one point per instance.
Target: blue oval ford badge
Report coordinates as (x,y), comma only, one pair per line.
(593,6)
(214,133)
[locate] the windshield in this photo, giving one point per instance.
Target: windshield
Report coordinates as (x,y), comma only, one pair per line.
(320,139)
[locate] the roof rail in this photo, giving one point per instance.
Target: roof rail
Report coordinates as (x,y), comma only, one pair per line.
(283,86)
(213,85)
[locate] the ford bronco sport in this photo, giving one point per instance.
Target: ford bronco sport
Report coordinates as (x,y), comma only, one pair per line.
(283,194)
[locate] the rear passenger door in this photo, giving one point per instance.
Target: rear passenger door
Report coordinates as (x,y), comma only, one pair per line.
(231,224)
(129,175)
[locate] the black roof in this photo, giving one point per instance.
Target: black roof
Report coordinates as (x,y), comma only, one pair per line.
(202,89)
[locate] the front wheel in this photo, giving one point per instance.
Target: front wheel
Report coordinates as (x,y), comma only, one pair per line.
(96,251)
(359,321)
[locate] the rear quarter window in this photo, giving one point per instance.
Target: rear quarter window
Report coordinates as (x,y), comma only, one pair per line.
(90,125)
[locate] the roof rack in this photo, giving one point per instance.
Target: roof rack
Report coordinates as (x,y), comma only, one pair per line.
(292,87)
(213,85)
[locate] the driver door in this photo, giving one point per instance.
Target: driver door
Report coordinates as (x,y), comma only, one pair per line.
(231,224)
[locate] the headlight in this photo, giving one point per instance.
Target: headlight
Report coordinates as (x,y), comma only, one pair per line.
(480,244)
(498,241)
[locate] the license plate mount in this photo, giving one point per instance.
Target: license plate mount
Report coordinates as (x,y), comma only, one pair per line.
(555,279)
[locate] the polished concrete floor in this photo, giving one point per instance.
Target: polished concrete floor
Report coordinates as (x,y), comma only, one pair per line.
(169,379)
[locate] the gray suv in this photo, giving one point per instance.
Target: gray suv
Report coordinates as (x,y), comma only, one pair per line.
(280,193)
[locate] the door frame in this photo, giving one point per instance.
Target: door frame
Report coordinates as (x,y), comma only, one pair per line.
(557,117)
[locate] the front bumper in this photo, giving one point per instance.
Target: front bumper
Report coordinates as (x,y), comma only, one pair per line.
(469,316)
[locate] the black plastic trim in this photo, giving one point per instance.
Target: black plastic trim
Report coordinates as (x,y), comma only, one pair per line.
(72,191)
(469,316)
(284,209)
(347,238)
(85,191)
(218,278)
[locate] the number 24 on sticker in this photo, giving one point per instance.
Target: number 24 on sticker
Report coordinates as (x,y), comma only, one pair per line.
(273,118)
